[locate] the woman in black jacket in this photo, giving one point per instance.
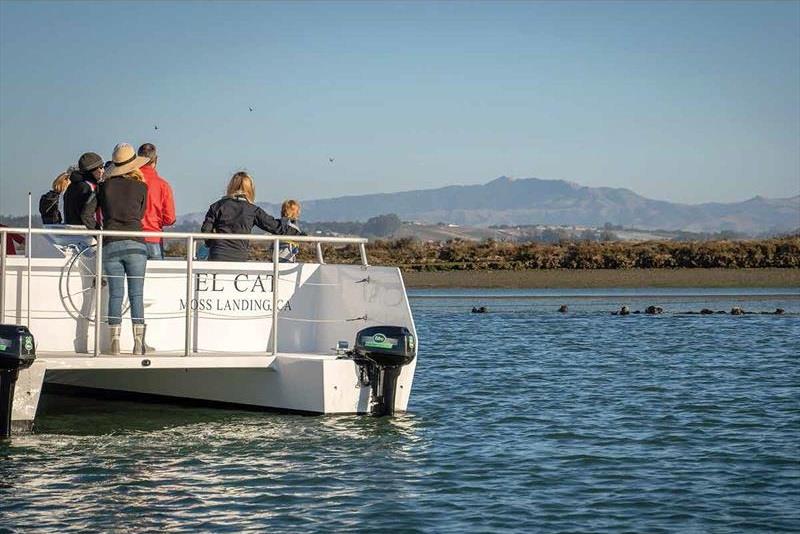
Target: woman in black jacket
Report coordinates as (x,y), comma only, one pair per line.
(50,202)
(236,213)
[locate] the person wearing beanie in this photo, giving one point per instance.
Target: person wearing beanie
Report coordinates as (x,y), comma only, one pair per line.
(82,190)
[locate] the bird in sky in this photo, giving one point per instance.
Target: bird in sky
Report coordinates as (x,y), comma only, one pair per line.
(155,126)
(330,159)
(251,109)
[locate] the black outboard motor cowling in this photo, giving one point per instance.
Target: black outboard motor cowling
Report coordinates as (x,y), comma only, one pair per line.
(17,351)
(386,349)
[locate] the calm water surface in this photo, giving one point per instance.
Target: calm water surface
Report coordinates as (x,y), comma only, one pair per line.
(522,419)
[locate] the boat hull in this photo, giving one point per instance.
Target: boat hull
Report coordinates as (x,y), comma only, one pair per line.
(296,383)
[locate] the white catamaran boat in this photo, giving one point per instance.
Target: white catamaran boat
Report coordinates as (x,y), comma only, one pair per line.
(302,337)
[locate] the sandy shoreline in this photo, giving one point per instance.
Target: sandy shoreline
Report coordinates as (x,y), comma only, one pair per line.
(599,278)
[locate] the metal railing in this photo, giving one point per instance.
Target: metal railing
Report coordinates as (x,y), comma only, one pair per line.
(189,238)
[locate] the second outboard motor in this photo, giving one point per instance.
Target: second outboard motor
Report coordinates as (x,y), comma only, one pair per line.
(17,351)
(384,350)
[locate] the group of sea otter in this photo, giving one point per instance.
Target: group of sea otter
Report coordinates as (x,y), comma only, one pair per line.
(658,310)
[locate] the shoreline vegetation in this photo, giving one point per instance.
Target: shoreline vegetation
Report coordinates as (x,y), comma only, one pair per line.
(585,264)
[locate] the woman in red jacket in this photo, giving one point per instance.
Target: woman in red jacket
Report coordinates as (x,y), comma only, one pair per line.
(11,250)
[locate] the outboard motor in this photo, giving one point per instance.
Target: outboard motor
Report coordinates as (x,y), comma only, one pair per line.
(17,351)
(384,350)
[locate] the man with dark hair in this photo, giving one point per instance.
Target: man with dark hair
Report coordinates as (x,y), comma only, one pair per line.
(159,210)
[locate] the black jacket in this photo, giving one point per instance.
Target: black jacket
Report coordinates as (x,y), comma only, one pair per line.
(48,208)
(122,202)
(81,191)
(237,215)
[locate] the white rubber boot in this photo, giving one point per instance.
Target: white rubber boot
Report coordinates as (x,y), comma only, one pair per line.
(113,332)
(140,346)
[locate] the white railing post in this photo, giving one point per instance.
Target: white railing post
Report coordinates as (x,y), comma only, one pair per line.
(363,249)
(98,292)
(3,238)
(320,259)
(276,245)
(29,254)
(189,293)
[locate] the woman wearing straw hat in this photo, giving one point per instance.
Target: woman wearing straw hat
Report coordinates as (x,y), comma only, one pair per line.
(122,198)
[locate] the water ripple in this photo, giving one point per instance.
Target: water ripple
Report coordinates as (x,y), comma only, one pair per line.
(522,420)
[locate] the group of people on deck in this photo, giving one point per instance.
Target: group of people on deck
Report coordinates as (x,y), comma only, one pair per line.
(127,194)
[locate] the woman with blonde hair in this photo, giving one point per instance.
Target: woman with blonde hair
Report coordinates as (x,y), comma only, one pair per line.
(122,197)
(51,202)
(236,213)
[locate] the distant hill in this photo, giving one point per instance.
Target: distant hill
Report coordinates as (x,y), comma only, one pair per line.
(557,202)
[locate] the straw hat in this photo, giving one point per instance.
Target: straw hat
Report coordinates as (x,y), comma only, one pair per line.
(124,160)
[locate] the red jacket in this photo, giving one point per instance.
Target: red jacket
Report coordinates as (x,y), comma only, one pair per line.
(10,240)
(159,210)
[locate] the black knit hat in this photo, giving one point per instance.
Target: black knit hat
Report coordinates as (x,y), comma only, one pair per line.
(89,162)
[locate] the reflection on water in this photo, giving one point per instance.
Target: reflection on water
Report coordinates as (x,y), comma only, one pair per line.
(523,419)
(161,465)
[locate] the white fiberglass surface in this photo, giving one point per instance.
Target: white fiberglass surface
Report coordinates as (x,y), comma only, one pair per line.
(231,304)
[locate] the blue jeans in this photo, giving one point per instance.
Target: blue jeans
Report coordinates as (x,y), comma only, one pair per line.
(125,259)
(154,251)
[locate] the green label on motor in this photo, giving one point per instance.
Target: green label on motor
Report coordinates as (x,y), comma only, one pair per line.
(379,345)
(28,343)
(3,347)
(379,341)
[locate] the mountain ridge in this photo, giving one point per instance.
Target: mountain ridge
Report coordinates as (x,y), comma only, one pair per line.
(522,201)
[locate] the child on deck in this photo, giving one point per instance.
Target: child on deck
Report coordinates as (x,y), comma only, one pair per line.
(290,212)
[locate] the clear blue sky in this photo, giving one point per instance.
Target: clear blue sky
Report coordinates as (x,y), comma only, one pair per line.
(679,101)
